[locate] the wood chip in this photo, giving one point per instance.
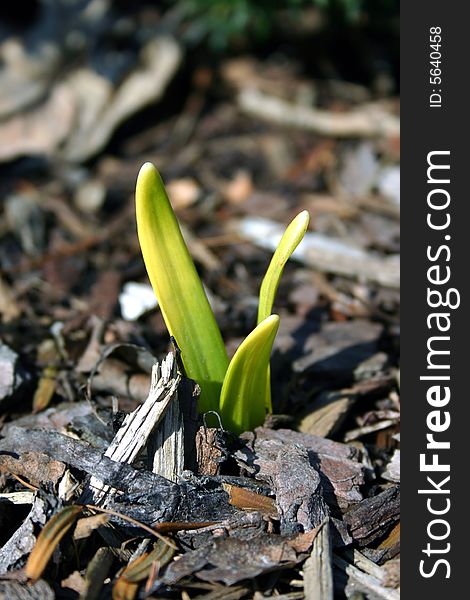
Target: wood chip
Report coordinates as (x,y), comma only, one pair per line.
(23,540)
(341,475)
(318,574)
(137,427)
(373,517)
(392,472)
(358,581)
(36,467)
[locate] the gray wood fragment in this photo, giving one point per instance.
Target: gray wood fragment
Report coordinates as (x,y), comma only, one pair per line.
(358,581)
(341,475)
(138,426)
(23,540)
(392,472)
(162,495)
(318,573)
(373,517)
(313,442)
(339,348)
(144,495)
(294,481)
(299,492)
(12,376)
(13,590)
(231,560)
(171,446)
(369,120)
(166,445)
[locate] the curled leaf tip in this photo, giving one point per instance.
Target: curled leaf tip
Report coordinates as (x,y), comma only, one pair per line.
(243,398)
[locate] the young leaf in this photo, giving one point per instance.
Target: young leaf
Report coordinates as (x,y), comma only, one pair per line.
(290,240)
(243,396)
(179,290)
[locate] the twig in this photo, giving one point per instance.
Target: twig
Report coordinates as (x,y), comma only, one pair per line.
(368,121)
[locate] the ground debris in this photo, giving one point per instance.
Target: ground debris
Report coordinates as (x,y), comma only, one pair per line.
(39,590)
(340,472)
(230,560)
(317,569)
(373,517)
(23,540)
(12,374)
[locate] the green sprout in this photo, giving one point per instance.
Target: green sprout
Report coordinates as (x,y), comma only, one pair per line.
(239,391)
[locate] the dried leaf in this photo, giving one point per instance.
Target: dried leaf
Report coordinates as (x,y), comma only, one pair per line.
(53,531)
(87,525)
(248,500)
(123,590)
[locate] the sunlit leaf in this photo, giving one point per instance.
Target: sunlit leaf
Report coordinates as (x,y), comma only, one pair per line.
(242,401)
(290,240)
(178,288)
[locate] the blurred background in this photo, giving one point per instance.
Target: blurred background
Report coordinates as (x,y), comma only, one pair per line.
(252,111)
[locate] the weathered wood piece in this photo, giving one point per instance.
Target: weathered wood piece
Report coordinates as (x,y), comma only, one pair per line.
(23,540)
(318,572)
(312,442)
(392,472)
(356,580)
(294,481)
(145,496)
(166,444)
(369,120)
(171,447)
(13,590)
(338,349)
(373,517)
(231,560)
(245,526)
(209,454)
(341,474)
(161,493)
(138,426)
(35,466)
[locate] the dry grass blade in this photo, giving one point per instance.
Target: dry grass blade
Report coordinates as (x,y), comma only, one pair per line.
(140,569)
(174,526)
(53,531)
(123,590)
